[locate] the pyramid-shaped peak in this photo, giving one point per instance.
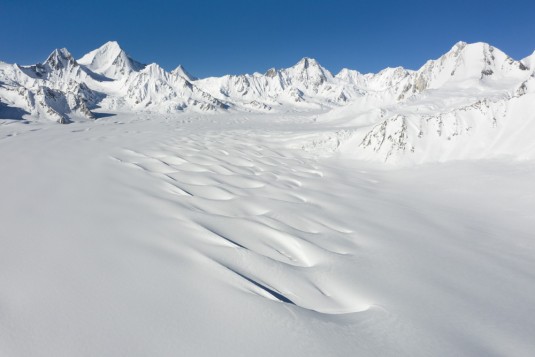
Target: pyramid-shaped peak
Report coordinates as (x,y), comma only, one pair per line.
(310,66)
(60,58)
(307,62)
(110,49)
(307,72)
(110,60)
(181,71)
(62,52)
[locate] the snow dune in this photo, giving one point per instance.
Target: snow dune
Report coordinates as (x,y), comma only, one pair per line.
(213,235)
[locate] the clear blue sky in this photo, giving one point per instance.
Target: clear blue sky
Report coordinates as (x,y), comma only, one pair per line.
(215,37)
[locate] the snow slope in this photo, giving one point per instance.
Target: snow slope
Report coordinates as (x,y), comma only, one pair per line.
(254,215)
(110,60)
(206,235)
(473,102)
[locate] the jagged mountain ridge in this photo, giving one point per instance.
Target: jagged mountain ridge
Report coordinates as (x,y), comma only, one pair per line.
(394,111)
(306,84)
(55,89)
(110,72)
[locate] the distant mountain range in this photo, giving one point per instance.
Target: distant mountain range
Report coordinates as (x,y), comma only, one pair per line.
(471,88)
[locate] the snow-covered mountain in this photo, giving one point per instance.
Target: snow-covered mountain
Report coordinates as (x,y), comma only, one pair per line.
(472,102)
(459,105)
(155,88)
(54,89)
(306,84)
(111,61)
(181,71)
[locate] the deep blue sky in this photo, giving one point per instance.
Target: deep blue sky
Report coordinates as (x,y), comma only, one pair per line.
(215,37)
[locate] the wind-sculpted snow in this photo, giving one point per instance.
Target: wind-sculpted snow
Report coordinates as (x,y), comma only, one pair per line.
(241,200)
(247,234)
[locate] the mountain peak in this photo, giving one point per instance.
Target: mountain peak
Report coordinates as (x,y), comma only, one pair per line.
(309,72)
(154,70)
(60,58)
(474,62)
(110,60)
(181,71)
(111,45)
(462,47)
(307,62)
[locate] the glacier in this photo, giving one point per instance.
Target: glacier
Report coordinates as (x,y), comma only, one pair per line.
(292,213)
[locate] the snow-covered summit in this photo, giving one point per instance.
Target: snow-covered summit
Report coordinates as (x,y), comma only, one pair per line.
(108,78)
(181,71)
(154,88)
(308,72)
(59,59)
(468,63)
(111,61)
(59,68)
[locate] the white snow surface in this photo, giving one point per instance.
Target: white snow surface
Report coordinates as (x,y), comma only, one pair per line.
(218,235)
(292,213)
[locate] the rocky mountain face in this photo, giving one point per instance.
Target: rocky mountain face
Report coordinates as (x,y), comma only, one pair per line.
(54,89)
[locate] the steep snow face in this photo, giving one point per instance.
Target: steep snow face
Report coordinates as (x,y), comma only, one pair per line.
(135,86)
(466,64)
(306,84)
(53,90)
(180,71)
(58,70)
(439,126)
(388,78)
(60,106)
(473,102)
(111,61)
(167,92)
(59,59)
(47,103)
(529,62)
(307,73)
(351,76)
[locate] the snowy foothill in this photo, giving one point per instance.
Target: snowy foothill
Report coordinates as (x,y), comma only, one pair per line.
(292,213)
